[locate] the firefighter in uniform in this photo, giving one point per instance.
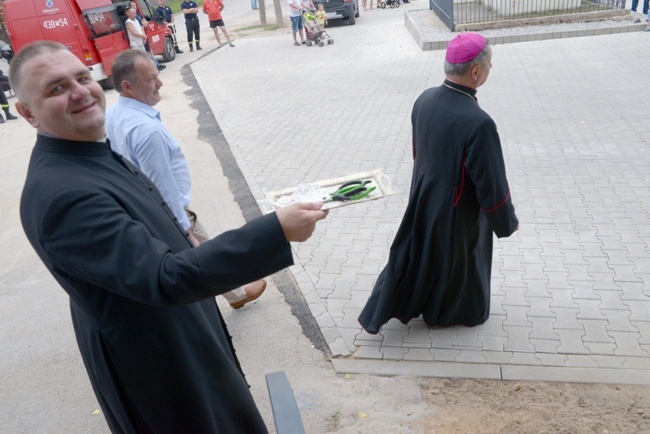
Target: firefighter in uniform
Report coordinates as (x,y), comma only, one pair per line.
(166,12)
(191,9)
(6,54)
(5,106)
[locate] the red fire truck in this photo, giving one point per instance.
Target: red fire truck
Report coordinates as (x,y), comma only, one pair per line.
(91,29)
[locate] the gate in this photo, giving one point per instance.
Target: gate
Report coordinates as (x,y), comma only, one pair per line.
(444,9)
(455,12)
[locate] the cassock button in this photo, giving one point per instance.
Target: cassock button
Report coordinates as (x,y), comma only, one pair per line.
(136,172)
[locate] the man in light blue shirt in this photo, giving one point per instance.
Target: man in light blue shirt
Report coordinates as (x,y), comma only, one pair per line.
(136,131)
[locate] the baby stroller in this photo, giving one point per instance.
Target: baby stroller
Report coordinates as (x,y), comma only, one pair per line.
(316,33)
(391,3)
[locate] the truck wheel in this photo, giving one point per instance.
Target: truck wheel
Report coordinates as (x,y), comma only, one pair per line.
(169,53)
(107,83)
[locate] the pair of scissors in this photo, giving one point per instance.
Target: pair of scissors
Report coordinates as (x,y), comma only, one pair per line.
(353,190)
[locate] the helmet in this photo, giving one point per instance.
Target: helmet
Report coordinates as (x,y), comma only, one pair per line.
(6,53)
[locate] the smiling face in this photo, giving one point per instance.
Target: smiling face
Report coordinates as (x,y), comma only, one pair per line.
(61,99)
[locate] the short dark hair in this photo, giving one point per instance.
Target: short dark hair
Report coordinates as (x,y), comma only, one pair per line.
(27,53)
(460,69)
(124,67)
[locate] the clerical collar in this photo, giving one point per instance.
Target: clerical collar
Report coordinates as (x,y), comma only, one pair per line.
(54,144)
(102,140)
(461,89)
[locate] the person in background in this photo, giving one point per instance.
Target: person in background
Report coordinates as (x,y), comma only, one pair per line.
(166,13)
(137,38)
(295,6)
(190,9)
(309,5)
(4,103)
(635,4)
(136,132)
(440,261)
(213,9)
(254,4)
(321,16)
(143,24)
(153,341)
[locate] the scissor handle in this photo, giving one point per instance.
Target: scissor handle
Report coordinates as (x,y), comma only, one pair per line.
(350,185)
(355,194)
(347,195)
(364,193)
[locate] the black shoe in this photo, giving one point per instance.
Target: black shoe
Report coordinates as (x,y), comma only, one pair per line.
(191,48)
(2,120)
(178,51)
(198,47)
(161,67)
(10,117)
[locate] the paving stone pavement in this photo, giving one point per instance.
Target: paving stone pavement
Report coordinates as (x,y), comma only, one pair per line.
(570,290)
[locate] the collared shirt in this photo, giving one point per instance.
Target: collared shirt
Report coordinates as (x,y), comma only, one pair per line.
(165,12)
(189,5)
(137,133)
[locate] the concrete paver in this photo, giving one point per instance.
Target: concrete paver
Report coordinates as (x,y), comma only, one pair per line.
(570,289)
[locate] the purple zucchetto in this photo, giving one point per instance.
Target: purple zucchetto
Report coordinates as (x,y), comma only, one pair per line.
(465,47)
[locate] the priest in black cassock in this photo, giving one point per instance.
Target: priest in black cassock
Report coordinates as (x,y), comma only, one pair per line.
(440,261)
(151,336)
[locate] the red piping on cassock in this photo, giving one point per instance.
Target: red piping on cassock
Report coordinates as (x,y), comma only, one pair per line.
(462,186)
(499,205)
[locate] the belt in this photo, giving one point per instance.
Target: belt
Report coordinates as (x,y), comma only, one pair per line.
(191,19)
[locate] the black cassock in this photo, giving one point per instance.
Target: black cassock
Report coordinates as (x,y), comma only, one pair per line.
(152,339)
(440,261)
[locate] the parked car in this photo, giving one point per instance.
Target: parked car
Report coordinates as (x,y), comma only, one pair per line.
(347,9)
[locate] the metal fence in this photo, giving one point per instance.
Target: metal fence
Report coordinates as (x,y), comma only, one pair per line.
(455,12)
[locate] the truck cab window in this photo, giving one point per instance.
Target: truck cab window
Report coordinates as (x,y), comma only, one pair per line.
(103,21)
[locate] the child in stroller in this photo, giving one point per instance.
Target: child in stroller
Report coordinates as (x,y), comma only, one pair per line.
(316,33)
